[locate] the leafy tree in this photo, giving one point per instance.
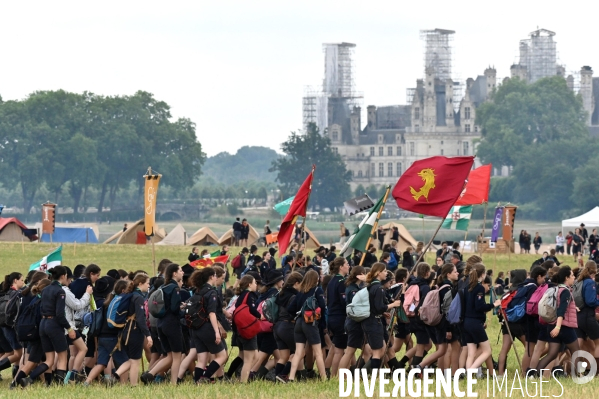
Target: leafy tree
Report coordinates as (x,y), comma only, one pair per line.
(249,163)
(372,192)
(360,190)
(330,186)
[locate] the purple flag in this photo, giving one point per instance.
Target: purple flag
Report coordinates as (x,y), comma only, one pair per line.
(496,224)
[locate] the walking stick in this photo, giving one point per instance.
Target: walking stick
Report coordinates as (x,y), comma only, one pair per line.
(511,338)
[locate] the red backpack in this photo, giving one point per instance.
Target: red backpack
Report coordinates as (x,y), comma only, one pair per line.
(411,297)
(507,298)
(236,262)
(248,325)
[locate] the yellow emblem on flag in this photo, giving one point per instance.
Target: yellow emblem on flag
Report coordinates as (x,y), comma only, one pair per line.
(428,177)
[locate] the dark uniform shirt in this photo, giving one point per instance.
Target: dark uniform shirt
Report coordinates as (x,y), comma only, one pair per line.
(53,304)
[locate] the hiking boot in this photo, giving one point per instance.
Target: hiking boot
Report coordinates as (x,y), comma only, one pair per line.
(271,375)
(283,379)
(25,382)
(147,378)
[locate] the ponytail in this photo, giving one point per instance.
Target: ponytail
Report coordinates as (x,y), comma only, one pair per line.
(589,268)
(445,270)
(136,282)
(374,271)
(8,280)
(477,271)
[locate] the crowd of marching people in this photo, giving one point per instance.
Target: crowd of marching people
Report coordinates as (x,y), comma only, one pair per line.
(304,319)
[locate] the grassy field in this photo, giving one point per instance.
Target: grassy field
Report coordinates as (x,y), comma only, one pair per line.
(18,257)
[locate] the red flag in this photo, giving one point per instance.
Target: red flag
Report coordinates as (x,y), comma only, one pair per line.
(297,208)
(205,262)
(476,191)
(432,185)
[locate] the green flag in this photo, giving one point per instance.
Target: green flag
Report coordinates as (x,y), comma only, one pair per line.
(283,207)
(359,239)
(54,258)
(458,218)
(215,253)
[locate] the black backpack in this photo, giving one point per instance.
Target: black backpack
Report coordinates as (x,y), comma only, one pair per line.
(28,321)
(12,307)
(195,310)
(3,302)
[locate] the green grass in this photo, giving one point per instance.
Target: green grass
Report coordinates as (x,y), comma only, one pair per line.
(18,257)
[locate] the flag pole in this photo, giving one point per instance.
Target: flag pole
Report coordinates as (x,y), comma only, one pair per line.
(305,217)
(153,256)
(376,224)
(430,242)
(423,233)
(480,252)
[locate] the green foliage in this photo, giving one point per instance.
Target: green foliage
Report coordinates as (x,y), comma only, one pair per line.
(373,192)
(82,142)
(249,163)
(360,190)
(330,186)
(538,130)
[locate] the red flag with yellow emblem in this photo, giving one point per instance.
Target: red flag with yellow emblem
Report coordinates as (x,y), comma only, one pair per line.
(431,186)
(209,261)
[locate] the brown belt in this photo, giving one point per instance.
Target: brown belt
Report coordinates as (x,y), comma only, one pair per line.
(47,317)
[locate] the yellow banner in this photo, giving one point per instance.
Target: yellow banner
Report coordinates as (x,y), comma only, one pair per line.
(150,195)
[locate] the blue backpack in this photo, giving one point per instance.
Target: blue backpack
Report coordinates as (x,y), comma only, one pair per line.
(456,309)
(28,321)
(392,264)
(516,309)
(118,309)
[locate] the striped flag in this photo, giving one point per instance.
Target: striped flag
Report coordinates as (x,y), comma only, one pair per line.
(458,218)
(54,258)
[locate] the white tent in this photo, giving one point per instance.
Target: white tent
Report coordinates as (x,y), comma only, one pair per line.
(177,236)
(591,218)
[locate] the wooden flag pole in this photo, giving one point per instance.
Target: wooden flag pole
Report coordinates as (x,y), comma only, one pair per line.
(376,224)
(480,252)
(153,256)
(423,233)
(22,244)
(75,249)
(430,242)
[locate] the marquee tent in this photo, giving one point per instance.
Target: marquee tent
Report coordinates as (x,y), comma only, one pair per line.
(204,236)
(405,238)
(591,218)
(11,229)
(227,238)
(177,236)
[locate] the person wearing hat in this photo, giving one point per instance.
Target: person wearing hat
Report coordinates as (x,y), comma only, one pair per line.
(102,289)
(272,284)
(75,308)
(114,274)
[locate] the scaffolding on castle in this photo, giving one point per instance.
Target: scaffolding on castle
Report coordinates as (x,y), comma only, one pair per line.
(538,54)
(438,51)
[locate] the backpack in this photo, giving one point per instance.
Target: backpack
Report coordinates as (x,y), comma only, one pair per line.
(430,311)
(12,307)
(27,326)
(118,310)
(270,309)
(3,302)
(411,300)
(532,306)
(310,310)
(516,309)
(456,308)
(156,304)
(446,302)
(247,324)
(548,306)
(392,264)
(195,310)
(578,295)
(93,322)
(359,308)
(236,262)
(506,299)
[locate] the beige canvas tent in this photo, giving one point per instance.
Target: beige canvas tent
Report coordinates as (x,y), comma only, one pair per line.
(177,236)
(227,238)
(405,238)
(11,229)
(130,235)
(204,236)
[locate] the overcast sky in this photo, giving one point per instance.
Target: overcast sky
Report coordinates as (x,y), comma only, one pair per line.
(238,68)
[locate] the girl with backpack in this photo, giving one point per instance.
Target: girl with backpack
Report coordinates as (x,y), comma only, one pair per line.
(336,304)
(443,333)
(77,347)
(13,283)
(34,348)
(308,305)
(169,326)
(418,286)
(401,330)
(475,318)
(563,330)
(156,350)
(108,341)
(207,338)
(136,332)
(246,292)
(283,328)
(587,323)
(373,326)
(353,329)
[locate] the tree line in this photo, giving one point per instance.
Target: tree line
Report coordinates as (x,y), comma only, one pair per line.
(76,142)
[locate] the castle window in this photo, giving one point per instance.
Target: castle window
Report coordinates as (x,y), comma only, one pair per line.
(335,136)
(466,147)
(417,128)
(371,151)
(398,151)
(476,128)
(372,169)
(467,113)
(417,113)
(381,151)
(399,169)
(412,149)
(441,151)
(381,169)
(359,173)
(335,150)
(390,151)
(467,128)
(390,169)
